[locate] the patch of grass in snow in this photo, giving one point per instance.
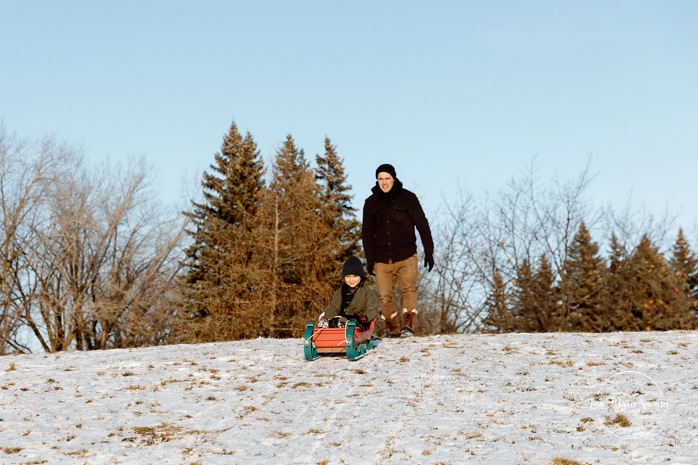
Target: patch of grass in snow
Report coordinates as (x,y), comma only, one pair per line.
(620,420)
(301,384)
(567,363)
(136,387)
(11,450)
(584,420)
(564,461)
(151,435)
(78,453)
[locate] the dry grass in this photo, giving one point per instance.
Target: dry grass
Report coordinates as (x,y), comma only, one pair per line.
(564,461)
(11,450)
(567,363)
(620,420)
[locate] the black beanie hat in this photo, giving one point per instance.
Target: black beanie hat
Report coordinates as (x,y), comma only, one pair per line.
(354,266)
(386,168)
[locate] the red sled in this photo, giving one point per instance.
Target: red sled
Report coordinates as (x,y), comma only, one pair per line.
(350,340)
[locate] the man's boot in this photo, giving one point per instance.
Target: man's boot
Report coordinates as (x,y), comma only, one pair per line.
(409,320)
(392,326)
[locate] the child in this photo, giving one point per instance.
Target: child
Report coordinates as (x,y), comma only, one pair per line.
(353,301)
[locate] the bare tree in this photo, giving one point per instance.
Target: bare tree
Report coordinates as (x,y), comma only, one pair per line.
(453,295)
(90,261)
(485,242)
(104,263)
(25,168)
(631,222)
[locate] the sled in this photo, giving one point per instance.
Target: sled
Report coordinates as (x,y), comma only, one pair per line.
(350,340)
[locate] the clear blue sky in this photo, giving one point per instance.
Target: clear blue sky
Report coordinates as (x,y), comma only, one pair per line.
(450,92)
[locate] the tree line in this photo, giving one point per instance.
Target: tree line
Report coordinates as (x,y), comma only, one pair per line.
(90,260)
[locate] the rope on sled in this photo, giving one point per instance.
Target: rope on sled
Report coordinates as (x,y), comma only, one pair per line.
(317,333)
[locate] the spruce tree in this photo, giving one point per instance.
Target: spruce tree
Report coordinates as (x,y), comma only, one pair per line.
(685,266)
(615,308)
(522,298)
(656,298)
(220,282)
(499,315)
(546,295)
(336,204)
(296,240)
(534,298)
(582,283)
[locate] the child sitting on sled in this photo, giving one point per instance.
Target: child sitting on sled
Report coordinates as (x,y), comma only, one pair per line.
(354,300)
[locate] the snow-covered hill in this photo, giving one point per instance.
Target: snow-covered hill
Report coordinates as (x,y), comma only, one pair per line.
(624,398)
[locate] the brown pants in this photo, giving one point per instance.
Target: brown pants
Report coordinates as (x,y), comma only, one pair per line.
(405,274)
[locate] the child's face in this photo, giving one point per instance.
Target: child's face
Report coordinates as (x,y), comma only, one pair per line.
(352,280)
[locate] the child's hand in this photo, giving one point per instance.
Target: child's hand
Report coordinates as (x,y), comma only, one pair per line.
(322,321)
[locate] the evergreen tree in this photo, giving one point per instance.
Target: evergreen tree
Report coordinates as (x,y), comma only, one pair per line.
(335,204)
(296,241)
(547,296)
(220,283)
(499,315)
(521,298)
(685,266)
(615,308)
(582,283)
(656,298)
(534,297)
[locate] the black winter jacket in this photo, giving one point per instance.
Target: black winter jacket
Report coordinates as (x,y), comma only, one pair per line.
(389,222)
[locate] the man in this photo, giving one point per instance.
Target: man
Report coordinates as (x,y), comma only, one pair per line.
(390,216)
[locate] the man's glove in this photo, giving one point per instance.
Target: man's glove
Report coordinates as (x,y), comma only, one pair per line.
(362,318)
(369,267)
(429,261)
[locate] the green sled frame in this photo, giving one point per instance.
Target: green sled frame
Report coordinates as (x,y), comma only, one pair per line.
(350,340)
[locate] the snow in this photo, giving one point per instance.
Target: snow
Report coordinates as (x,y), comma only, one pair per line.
(480,399)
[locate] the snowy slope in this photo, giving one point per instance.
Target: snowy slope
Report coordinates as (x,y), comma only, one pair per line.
(481,399)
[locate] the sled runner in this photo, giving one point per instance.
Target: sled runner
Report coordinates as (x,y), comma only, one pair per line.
(350,340)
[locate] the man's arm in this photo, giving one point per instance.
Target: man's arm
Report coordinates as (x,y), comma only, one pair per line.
(368,228)
(422,224)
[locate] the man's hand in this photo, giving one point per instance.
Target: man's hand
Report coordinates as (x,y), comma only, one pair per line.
(429,261)
(369,268)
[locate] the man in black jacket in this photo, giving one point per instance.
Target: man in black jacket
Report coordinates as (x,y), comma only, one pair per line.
(390,217)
